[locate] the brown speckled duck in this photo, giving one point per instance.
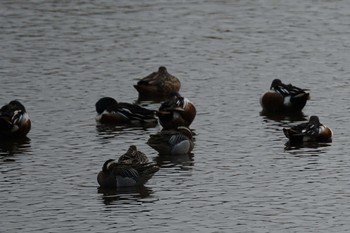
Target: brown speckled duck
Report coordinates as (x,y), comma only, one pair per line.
(158,85)
(131,169)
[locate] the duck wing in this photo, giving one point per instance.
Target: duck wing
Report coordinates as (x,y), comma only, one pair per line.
(289,90)
(132,111)
(176,139)
(155,78)
(312,130)
(131,174)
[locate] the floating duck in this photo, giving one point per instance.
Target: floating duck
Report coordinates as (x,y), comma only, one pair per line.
(283,98)
(14,120)
(172,142)
(158,85)
(111,112)
(176,111)
(131,169)
(312,131)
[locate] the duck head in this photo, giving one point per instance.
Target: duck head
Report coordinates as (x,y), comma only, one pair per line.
(276,82)
(104,103)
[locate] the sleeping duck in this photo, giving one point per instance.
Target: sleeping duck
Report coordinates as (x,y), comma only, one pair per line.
(176,111)
(14,120)
(109,111)
(283,98)
(131,169)
(157,85)
(312,131)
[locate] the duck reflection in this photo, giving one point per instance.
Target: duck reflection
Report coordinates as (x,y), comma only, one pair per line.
(102,128)
(168,160)
(135,193)
(14,146)
(291,117)
(291,146)
(108,131)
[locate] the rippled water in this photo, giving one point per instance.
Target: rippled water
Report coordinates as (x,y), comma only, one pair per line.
(60,57)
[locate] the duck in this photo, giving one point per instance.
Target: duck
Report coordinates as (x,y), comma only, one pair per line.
(172,142)
(131,169)
(158,85)
(176,111)
(109,111)
(284,98)
(14,120)
(311,131)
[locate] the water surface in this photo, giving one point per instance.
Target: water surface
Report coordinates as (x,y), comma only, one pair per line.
(60,57)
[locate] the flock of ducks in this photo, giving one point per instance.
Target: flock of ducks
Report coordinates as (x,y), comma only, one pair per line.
(175,115)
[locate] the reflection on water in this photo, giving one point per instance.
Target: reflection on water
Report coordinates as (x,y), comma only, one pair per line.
(14,146)
(110,131)
(185,160)
(315,147)
(106,129)
(134,193)
(291,117)
(102,128)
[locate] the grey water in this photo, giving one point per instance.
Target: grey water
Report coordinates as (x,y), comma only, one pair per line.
(59,57)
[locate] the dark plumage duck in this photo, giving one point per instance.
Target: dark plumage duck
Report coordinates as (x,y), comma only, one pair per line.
(14,120)
(172,142)
(283,98)
(176,111)
(158,85)
(312,131)
(131,169)
(111,112)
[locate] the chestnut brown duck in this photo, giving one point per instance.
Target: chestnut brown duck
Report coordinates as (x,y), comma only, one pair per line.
(311,131)
(14,120)
(176,111)
(283,98)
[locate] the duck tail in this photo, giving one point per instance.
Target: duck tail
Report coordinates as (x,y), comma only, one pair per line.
(148,171)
